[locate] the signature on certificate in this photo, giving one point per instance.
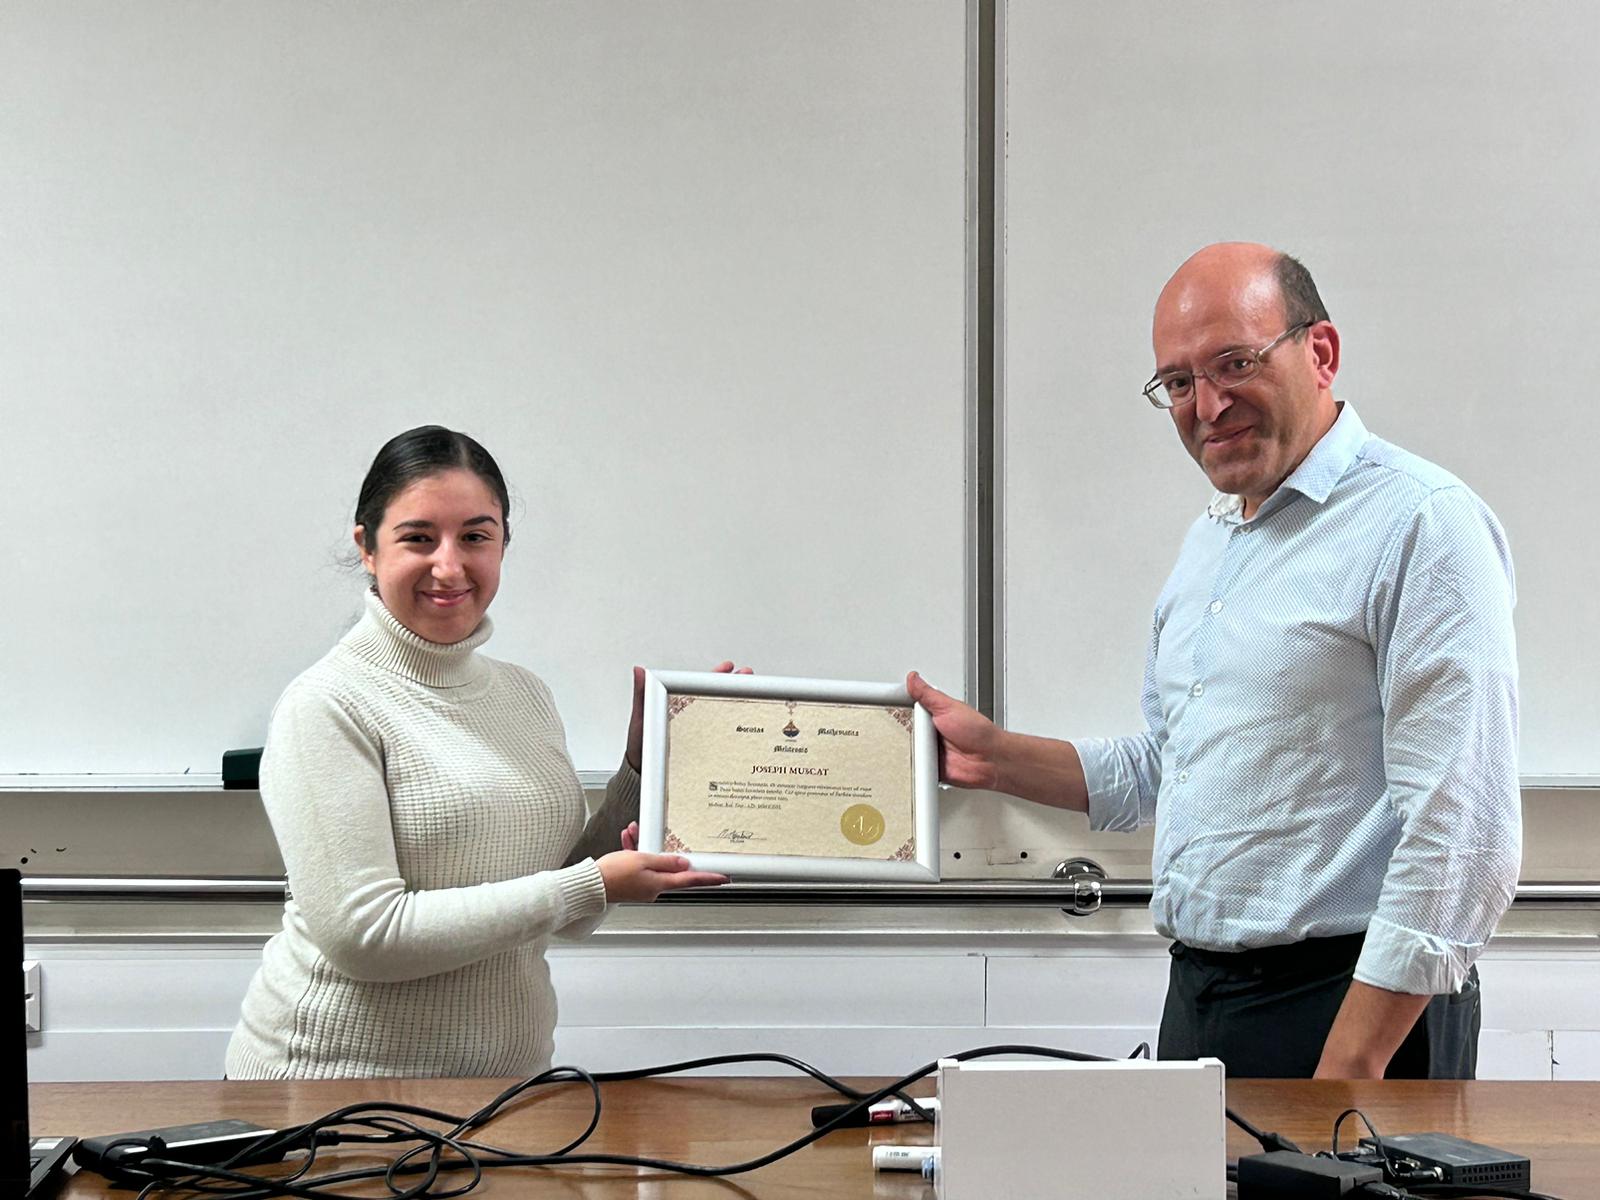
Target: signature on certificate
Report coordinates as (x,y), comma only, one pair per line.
(737,837)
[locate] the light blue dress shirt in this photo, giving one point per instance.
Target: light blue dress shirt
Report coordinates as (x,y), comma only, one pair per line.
(1331,694)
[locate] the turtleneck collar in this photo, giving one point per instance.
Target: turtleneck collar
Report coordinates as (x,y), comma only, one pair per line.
(380,638)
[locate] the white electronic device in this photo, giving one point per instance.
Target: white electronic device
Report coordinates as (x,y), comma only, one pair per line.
(1124,1130)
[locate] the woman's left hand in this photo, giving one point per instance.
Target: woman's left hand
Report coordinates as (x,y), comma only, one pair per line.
(636,724)
(630,836)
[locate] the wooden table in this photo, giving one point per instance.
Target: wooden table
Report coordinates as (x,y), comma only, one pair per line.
(722,1120)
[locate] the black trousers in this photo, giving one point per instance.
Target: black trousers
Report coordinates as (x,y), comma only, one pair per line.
(1266,1013)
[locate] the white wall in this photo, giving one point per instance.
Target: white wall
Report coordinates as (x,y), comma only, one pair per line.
(1436,165)
(694,271)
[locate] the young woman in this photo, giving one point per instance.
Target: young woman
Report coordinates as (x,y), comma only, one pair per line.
(429,817)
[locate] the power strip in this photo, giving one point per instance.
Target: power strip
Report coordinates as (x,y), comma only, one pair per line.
(120,1156)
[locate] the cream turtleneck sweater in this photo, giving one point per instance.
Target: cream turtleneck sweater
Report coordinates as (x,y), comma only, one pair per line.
(433,831)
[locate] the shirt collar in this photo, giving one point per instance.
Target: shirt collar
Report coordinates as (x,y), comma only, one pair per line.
(1316,475)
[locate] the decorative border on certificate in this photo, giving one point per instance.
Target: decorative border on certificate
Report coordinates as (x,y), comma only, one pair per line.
(767,777)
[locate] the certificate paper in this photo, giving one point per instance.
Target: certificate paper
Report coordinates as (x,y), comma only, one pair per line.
(765,777)
(774,776)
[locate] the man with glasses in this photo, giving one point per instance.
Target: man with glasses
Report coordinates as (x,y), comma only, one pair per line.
(1330,692)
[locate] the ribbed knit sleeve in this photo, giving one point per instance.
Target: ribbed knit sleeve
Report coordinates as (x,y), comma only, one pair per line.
(324,788)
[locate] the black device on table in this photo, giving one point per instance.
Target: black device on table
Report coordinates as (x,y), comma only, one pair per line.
(29,1166)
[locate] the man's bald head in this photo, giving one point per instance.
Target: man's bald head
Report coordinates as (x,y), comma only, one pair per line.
(1251,278)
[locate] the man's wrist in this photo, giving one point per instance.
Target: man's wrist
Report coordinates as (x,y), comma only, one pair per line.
(1044,770)
(1003,756)
(1018,769)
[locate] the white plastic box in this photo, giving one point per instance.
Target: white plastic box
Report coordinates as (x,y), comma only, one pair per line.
(1125,1130)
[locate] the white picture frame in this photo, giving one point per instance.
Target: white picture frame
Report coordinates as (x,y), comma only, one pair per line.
(659,689)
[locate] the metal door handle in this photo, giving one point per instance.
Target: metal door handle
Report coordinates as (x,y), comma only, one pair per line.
(1085,875)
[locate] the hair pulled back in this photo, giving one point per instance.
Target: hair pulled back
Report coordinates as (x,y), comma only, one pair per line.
(420,453)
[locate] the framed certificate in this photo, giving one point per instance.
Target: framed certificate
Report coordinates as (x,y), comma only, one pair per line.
(764,777)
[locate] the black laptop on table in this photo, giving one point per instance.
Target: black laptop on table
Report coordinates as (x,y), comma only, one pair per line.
(29,1167)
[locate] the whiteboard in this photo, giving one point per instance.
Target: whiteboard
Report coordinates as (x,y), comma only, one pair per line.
(1436,166)
(694,271)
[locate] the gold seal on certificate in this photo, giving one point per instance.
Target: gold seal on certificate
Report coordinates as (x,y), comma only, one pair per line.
(775,778)
(862,824)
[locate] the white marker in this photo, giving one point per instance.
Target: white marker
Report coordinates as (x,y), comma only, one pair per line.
(905,1158)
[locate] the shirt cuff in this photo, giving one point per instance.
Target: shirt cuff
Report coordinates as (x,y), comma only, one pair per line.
(1398,959)
(1113,788)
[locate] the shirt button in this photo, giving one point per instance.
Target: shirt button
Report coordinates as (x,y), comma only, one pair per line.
(1216,606)
(1183,777)
(1197,689)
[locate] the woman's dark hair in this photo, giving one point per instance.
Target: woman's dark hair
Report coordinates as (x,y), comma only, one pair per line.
(417,454)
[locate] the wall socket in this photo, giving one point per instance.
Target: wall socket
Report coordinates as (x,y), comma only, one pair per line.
(31,979)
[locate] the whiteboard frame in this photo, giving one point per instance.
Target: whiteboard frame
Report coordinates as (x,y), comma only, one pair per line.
(659,685)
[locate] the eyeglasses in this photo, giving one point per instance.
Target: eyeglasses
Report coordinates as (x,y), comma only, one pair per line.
(1170,389)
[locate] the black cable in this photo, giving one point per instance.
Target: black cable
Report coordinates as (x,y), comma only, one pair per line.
(449,1152)
(1421,1191)
(816,1073)
(1389,1168)
(200,1185)
(193,1177)
(1268,1141)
